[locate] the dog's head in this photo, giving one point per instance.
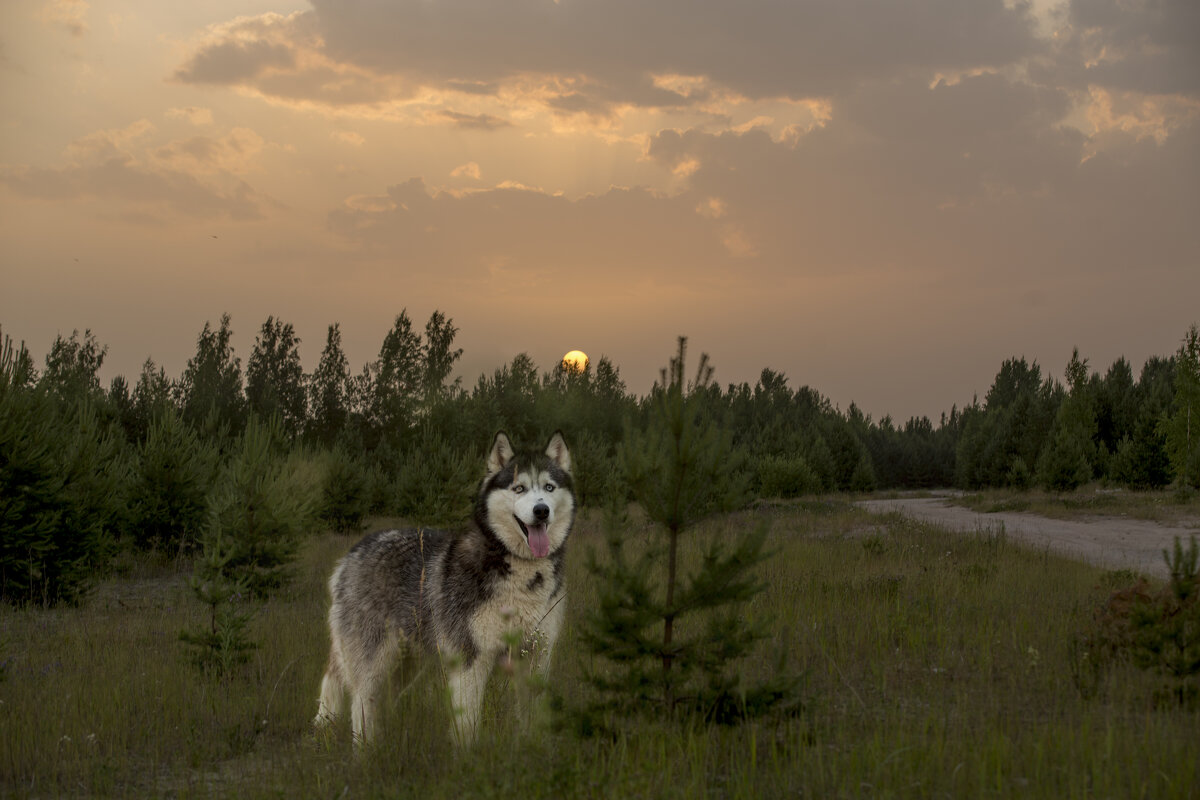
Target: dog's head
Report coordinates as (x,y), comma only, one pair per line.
(527,499)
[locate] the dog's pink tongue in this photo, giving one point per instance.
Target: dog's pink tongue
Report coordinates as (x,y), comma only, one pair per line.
(539,542)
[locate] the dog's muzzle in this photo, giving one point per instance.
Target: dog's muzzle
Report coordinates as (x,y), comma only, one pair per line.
(536,533)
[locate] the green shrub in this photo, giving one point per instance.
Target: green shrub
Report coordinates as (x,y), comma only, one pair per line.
(436,482)
(1141,462)
(262,503)
(1155,630)
(595,471)
(346,498)
(820,458)
(1064,464)
(1019,476)
(174,472)
(785,476)
(862,479)
(63,476)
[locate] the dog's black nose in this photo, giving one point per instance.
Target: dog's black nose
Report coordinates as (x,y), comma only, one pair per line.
(541,511)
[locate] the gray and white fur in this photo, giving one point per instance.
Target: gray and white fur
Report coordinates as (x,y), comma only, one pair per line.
(455,594)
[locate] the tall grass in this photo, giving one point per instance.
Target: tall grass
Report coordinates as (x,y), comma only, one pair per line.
(935,664)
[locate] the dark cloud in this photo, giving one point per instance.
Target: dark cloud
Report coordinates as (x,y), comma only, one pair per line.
(1171,24)
(966,181)
(1144,46)
(281,58)
(757,47)
(472,87)
(597,54)
(593,56)
(533,234)
(119,178)
(200,148)
(234,62)
(983,134)
(485,122)
(898,153)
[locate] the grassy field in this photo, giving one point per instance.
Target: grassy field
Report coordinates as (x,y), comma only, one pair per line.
(1167,507)
(934,665)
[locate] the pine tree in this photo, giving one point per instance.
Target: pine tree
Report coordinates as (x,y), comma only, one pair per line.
(1182,427)
(31,486)
(16,364)
(346,499)
(173,473)
(120,402)
(63,481)
(1116,406)
(72,366)
(152,392)
(1068,458)
(209,392)
(329,390)
(399,377)
(224,644)
(261,505)
(275,377)
(439,357)
(820,459)
(672,642)
(1009,429)
(434,481)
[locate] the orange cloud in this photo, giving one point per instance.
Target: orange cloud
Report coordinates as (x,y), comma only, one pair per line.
(197,177)
(1140,116)
(234,153)
(348,137)
(468,170)
(195,116)
(70,15)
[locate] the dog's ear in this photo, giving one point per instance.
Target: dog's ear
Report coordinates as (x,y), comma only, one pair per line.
(558,452)
(500,454)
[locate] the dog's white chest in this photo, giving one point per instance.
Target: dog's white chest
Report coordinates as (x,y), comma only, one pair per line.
(520,604)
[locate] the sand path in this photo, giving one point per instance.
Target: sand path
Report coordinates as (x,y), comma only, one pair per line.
(1107,541)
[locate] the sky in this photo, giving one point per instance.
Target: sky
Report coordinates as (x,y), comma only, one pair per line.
(882,200)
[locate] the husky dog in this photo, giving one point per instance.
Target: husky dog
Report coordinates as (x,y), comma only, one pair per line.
(458,595)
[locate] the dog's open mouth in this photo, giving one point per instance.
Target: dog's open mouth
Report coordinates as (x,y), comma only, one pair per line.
(537,536)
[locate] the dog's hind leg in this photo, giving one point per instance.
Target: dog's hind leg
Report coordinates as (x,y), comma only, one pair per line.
(363,710)
(333,692)
(367,673)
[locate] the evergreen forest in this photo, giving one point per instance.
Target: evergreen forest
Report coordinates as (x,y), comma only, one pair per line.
(259,450)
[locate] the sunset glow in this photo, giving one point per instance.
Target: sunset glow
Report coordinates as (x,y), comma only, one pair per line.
(880,200)
(576,361)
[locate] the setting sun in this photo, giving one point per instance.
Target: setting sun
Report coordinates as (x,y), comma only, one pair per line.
(576,360)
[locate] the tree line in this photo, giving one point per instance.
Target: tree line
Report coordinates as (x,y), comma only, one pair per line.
(158,462)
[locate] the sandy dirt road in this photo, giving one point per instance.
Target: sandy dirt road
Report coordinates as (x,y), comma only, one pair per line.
(1107,541)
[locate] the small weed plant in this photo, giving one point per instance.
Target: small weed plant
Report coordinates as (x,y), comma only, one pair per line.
(1155,630)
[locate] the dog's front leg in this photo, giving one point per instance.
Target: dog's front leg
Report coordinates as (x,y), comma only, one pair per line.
(534,700)
(548,630)
(467,683)
(363,710)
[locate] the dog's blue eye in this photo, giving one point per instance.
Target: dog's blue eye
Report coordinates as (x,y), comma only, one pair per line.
(549,487)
